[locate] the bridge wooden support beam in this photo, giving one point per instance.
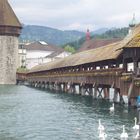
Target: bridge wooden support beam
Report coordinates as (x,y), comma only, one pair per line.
(90,90)
(86,89)
(62,87)
(50,87)
(70,88)
(77,89)
(95,91)
(83,90)
(35,85)
(57,87)
(106,93)
(100,90)
(80,90)
(121,100)
(31,84)
(73,88)
(65,87)
(47,85)
(116,94)
(38,85)
(43,85)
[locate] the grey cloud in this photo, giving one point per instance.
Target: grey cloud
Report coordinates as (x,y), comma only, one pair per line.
(64,14)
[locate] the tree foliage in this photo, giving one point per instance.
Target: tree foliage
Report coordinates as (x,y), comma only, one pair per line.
(69,48)
(110,34)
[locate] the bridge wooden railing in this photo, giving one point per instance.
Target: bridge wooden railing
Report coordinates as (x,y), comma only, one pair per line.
(100,72)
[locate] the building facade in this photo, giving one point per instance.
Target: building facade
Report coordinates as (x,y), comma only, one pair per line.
(40,52)
(21,56)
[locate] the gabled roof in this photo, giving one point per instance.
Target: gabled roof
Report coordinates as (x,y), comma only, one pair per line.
(108,52)
(134,43)
(42,47)
(7,15)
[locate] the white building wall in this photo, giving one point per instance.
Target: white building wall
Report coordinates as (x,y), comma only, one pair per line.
(21,58)
(38,57)
(37,54)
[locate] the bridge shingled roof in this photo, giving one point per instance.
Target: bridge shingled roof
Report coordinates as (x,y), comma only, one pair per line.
(108,52)
(134,43)
(7,15)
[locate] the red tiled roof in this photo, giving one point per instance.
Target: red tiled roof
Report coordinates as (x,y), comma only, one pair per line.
(95,43)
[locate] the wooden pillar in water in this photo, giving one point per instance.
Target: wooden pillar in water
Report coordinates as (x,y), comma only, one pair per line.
(50,86)
(43,85)
(38,85)
(35,84)
(95,91)
(106,93)
(90,90)
(115,95)
(31,84)
(100,92)
(71,88)
(65,87)
(47,85)
(57,87)
(62,87)
(82,89)
(121,99)
(74,88)
(79,89)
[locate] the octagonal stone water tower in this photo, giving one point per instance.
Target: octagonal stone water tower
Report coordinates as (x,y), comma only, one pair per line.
(10,29)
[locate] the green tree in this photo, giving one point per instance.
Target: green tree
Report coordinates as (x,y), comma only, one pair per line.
(69,48)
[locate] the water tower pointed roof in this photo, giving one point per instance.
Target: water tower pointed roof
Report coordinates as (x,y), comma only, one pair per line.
(9,23)
(7,15)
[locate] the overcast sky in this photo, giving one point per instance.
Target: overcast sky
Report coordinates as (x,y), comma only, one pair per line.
(77,14)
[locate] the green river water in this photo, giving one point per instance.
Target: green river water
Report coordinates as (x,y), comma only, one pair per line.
(31,114)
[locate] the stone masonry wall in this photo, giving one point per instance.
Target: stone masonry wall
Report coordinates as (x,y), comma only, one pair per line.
(8,59)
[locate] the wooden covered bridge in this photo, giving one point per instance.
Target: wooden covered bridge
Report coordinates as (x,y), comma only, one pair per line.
(95,71)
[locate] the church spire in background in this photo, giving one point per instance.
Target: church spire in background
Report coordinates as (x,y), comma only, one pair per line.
(87,35)
(132,22)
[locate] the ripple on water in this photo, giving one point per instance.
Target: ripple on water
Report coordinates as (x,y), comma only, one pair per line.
(30,114)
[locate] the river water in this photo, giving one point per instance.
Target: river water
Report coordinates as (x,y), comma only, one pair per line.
(32,114)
